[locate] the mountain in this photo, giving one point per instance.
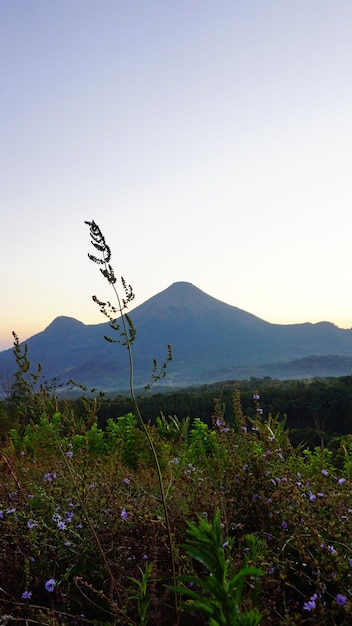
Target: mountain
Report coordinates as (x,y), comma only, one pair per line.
(210,341)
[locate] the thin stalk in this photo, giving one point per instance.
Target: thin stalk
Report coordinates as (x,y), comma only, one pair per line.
(150,442)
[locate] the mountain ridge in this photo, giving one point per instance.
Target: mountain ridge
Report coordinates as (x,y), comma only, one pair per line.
(211,340)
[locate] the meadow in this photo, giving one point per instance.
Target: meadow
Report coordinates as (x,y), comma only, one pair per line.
(167,521)
(83,532)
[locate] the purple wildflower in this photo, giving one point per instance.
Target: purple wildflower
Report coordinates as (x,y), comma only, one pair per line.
(124,514)
(31,524)
(126,480)
(50,585)
(325,472)
(284,524)
(26,595)
(69,454)
(311,604)
(341,481)
(332,550)
(256,396)
(341,599)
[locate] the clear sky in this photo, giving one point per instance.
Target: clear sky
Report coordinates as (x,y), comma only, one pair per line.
(211,140)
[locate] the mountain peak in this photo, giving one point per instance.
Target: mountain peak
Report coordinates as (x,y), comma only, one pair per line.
(182,300)
(63,324)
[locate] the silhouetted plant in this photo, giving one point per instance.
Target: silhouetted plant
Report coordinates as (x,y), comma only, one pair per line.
(120,322)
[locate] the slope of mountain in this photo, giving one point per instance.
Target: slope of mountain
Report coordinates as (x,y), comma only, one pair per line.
(210,340)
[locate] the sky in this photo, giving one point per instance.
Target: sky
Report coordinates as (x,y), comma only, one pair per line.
(211,141)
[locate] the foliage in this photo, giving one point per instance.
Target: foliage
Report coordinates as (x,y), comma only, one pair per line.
(219,595)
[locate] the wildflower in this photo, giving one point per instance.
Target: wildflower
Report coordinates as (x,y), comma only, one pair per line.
(325,472)
(50,585)
(284,524)
(341,481)
(61,525)
(175,460)
(126,480)
(256,396)
(9,511)
(26,595)
(31,524)
(124,514)
(69,454)
(260,411)
(1,514)
(50,476)
(350,562)
(332,550)
(341,599)
(311,604)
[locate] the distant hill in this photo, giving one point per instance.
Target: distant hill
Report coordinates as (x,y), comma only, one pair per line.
(210,340)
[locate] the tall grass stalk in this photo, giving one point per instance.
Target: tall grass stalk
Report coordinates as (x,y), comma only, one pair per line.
(121,322)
